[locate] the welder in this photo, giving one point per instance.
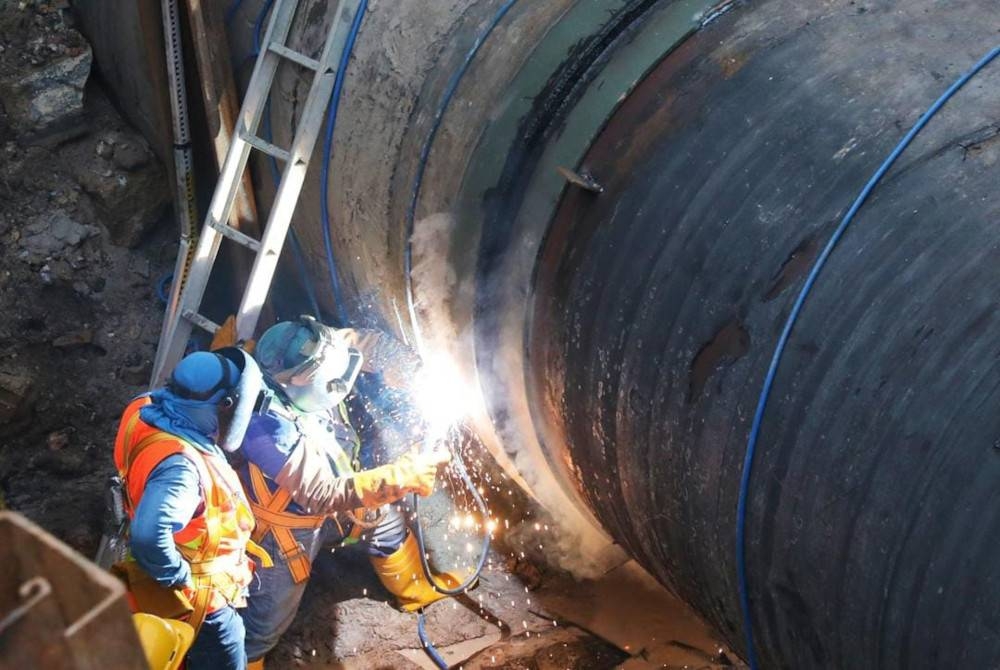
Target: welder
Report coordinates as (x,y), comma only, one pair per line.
(306,476)
(190,521)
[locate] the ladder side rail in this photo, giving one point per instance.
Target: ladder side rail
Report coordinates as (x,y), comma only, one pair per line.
(250,116)
(178,329)
(287,195)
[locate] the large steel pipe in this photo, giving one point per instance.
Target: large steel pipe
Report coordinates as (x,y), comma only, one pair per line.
(619,322)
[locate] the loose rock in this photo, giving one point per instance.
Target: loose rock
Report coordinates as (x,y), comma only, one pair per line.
(75,339)
(17,395)
(53,93)
(53,234)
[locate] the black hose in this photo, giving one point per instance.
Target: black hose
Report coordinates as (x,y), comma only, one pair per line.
(419,534)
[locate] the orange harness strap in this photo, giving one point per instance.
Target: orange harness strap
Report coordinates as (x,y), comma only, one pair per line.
(269,510)
(203,578)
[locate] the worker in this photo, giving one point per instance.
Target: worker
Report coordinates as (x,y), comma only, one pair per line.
(190,521)
(304,477)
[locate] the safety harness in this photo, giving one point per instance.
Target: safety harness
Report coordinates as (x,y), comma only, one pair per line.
(271,507)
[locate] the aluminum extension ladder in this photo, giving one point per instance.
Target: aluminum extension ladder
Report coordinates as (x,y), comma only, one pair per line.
(183,311)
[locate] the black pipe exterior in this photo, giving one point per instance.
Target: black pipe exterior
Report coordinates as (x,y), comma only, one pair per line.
(637,322)
(873,518)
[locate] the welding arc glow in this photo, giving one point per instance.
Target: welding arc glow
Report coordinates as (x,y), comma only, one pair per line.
(442,396)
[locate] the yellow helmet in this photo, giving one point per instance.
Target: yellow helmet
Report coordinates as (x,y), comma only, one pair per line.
(164,641)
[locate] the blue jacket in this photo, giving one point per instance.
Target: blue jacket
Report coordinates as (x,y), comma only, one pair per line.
(170,500)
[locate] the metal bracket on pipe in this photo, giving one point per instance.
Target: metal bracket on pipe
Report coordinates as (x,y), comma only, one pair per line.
(582,179)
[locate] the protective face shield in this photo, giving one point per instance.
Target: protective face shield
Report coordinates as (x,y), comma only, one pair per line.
(312,363)
(244,395)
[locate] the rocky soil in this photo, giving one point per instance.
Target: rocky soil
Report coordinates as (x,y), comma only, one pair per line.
(80,197)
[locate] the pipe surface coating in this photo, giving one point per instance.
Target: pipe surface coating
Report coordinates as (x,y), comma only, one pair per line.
(620,332)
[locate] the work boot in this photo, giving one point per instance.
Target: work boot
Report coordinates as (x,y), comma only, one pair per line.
(402,575)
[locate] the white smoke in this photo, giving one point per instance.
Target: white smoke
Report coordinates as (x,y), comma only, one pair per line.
(571,540)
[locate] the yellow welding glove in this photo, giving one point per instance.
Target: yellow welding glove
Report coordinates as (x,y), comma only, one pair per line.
(412,473)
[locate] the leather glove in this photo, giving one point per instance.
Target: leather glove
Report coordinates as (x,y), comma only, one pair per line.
(412,473)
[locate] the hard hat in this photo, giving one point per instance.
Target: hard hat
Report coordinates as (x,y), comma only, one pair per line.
(311,362)
(164,641)
(204,376)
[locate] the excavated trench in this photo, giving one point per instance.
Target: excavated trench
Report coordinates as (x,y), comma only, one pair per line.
(618,324)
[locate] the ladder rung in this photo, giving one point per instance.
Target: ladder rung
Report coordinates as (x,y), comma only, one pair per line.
(265,146)
(294,56)
(236,236)
(202,322)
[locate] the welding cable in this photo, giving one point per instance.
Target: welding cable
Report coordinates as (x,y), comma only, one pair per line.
(418,532)
(741,510)
(425,153)
(324,180)
(425,642)
(231,12)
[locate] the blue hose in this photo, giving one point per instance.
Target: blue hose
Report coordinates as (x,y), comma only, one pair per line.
(324,180)
(429,648)
(231,12)
(425,153)
(161,287)
(258,25)
(741,509)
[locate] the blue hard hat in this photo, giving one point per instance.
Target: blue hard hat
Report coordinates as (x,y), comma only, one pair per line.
(204,376)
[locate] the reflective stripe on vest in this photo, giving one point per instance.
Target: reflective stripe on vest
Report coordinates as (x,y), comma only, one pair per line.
(215,541)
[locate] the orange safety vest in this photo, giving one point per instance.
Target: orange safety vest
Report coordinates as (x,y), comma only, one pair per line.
(216,540)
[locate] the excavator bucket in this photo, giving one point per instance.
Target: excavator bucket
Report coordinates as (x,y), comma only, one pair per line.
(58,610)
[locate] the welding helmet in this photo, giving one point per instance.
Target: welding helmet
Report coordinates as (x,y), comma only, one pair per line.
(312,363)
(244,395)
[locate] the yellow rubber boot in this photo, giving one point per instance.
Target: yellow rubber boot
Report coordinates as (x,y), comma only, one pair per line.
(256,665)
(402,576)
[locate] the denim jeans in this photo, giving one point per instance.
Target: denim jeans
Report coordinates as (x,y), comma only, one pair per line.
(219,645)
(274,595)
